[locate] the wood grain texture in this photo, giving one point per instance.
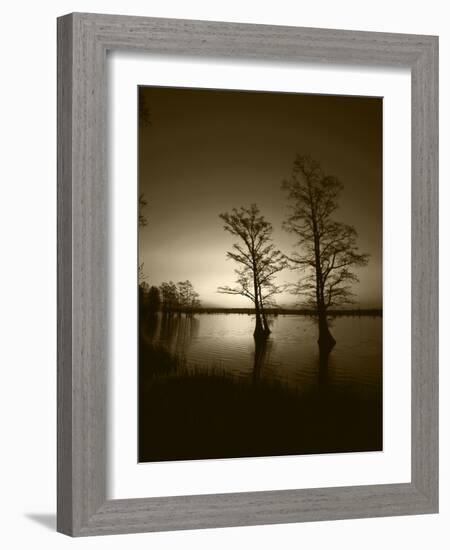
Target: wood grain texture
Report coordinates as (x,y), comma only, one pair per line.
(257,508)
(83,40)
(424,279)
(64,262)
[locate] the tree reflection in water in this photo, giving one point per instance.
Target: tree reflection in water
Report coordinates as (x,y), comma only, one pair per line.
(324,360)
(263,347)
(175,332)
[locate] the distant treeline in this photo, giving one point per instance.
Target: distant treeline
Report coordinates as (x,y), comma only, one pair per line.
(290,311)
(169,297)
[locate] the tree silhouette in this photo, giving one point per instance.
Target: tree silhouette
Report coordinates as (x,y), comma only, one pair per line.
(327,249)
(259,261)
(188,298)
(178,298)
(153,299)
(141,275)
(169,297)
(143,294)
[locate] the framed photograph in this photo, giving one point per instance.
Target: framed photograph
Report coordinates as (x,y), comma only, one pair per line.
(247,274)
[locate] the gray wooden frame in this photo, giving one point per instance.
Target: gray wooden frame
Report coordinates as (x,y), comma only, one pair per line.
(83,40)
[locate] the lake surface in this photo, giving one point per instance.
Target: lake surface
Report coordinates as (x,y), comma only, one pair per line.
(207,389)
(224,342)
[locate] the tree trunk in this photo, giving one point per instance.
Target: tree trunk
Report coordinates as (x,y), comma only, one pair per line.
(326,341)
(265,323)
(263,315)
(259,358)
(323,369)
(259,329)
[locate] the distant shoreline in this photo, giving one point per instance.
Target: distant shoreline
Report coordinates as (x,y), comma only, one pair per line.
(291,311)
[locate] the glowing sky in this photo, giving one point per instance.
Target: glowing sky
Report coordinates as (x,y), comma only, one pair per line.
(206,151)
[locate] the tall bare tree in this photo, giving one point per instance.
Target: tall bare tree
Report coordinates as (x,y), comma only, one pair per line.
(258,259)
(326,249)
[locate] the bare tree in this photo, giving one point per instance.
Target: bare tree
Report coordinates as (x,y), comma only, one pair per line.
(258,259)
(327,249)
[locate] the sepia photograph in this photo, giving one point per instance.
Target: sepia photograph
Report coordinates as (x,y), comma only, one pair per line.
(259,274)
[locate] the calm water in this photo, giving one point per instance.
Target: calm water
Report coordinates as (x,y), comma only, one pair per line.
(290,355)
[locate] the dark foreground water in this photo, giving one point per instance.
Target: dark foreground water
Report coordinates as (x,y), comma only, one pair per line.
(207,390)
